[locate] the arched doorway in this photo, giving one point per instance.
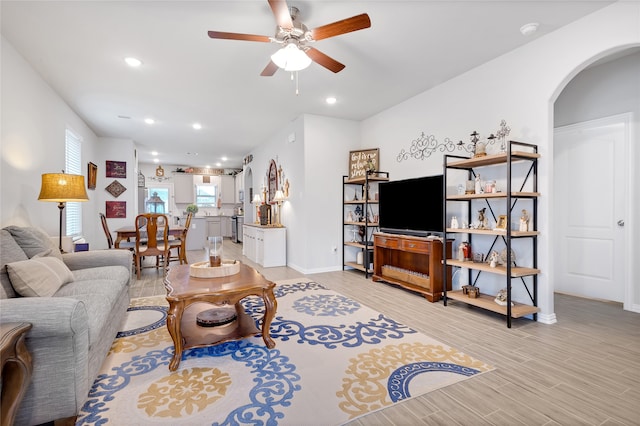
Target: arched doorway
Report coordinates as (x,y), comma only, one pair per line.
(593,161)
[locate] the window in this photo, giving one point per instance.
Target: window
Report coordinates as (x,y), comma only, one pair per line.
(73,165)
(205,195)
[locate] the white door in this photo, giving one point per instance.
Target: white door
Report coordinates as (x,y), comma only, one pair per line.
(590,187)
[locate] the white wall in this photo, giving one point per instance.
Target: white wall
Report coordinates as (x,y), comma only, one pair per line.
(313,163)
(34,120)
(520,87)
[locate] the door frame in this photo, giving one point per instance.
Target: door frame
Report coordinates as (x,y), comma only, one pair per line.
(627,119)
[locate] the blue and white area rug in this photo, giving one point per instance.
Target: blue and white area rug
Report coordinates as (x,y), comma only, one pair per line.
(334,360)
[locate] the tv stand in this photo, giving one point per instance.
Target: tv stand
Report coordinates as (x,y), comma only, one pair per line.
(414,263)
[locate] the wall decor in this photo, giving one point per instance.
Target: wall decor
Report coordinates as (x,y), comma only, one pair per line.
(92,175)
(141,181)
(116,169)
(116,209)
(272,181)
(115,188)
(422,147)
(362,161)
(160,171)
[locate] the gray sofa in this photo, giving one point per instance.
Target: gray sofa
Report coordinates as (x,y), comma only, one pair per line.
(73,328)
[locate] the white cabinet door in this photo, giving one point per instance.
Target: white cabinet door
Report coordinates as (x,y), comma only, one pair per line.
(239,181)
(183,188)
(225,225)
(274,247)
(227,189)
(213,228)
(249,242)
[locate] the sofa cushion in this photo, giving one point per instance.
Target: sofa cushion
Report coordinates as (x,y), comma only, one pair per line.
(40,276)
(10,252)
(33,241)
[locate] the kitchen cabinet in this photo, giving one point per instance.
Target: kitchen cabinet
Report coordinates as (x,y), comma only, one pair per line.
(225,225)
(214,228)
(227,189)
(183,188)
(197,234)
(239,184)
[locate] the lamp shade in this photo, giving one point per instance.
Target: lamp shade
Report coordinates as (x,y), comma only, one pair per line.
(62,187)
(279,197)
(291,58)
(257,199)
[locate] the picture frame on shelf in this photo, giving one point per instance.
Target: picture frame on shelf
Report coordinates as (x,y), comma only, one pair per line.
(92,175)
(502,222)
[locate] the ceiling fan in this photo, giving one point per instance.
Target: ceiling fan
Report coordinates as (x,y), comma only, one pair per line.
(294,37)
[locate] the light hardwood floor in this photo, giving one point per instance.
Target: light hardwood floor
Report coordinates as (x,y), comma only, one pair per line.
(583,370)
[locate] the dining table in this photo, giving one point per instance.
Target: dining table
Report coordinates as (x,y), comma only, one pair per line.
(128,233)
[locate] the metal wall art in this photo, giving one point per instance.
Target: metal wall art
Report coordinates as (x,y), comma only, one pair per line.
(422,147)
(115,188)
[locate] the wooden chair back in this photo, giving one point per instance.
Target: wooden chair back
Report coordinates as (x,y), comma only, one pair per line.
(105,228)
(152,238)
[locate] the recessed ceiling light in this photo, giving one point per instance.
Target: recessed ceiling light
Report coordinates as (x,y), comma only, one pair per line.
(224,158)
(149,120)
(331,100)
(197,126)
(154,152)
(155,160)
(218,164)
(133,62)
(530,28)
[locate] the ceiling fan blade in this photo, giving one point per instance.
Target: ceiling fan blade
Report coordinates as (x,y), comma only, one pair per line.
(281,12)
(324,60)
(355,23)
(238,36)
(269,70)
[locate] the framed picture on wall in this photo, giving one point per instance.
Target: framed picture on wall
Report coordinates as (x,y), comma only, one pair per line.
(92,175)
(116,169)
(116,209)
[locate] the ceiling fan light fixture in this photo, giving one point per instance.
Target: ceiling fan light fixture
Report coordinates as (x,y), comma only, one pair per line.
(291,58)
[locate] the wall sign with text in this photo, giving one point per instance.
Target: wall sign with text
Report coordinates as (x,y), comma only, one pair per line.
(363,160)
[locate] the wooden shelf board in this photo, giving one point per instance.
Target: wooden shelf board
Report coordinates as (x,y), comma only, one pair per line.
(466,197)
(493,232)
(361,202)
(492,159)
(516,272)
(358,245)
(360,181)
(357,266)
(487,302)
(370,224)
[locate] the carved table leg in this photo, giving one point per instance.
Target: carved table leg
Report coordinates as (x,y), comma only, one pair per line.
(174,319)
(16,369)
(270,305)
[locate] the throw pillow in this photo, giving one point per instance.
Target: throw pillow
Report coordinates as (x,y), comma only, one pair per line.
(40,276)
(33,240)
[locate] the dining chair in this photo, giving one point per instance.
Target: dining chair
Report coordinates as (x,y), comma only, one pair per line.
(180,243)
(154,229)
(129,245)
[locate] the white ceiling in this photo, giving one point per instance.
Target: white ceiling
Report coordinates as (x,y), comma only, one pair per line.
(78,47)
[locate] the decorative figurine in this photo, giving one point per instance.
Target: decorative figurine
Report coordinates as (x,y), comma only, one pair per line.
(454,222)
(482,219)
(478,185)
(493,259)
(524,221)
(474,141)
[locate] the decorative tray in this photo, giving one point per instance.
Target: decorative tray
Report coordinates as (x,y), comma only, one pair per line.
(203,270)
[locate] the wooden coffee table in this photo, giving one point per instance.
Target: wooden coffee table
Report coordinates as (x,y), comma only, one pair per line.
(189,296)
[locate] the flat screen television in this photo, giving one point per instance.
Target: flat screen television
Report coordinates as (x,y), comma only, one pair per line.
(412,206)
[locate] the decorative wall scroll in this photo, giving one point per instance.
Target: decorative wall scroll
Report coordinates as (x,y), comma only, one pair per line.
(92,175)
(115,188)
(362,161)
(272,181)
(422,147)
(116,169)
(116,209)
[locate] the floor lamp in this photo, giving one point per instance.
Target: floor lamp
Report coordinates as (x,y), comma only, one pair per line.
(62,188)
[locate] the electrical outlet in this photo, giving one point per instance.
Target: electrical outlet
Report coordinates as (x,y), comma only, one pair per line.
(334,249)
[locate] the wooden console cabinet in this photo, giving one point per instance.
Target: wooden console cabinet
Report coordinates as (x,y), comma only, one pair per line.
(414,263)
